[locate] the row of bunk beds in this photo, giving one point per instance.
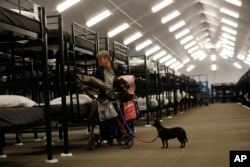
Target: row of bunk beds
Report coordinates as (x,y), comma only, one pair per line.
(39,63)
(243,89)
(163,92)
(224,93)
(16,31)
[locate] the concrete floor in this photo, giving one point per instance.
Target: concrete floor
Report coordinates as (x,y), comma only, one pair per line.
(212,132)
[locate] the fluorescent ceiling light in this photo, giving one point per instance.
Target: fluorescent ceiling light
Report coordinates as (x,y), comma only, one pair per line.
(234,2)
(214,67)
(186,39)
(182,33)
(247,62)
(190,44)
(229,12)
(202,36)
(227,42)
(178,67)
(177,26)
(206,40)
(227,52)
(171,61)
(209,45)
(213,58)
(197,54)
(191,50)
(175,64)
(228,47)
(161,5)
(218,44)
(229,30)
(66,4)
(169,17)
(202,57)
(132,38)
(229,22)
(223,55)
(98,18)
(159,55)
(186,61)
(237,65)
(191,67)
(152,50)
(227,36)
(164,59)
(143,45)
(241,56)
(118,29)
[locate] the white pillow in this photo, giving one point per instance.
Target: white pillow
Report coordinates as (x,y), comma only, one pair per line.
(7,101)
(83,99)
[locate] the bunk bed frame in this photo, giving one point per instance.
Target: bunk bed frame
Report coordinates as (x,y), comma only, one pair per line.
(15,31)
(243,89)
(143,73)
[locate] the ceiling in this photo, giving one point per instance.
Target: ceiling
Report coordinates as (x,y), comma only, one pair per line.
(202,18)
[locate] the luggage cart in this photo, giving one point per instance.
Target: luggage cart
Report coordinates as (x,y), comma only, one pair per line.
(112,129)
(116,128)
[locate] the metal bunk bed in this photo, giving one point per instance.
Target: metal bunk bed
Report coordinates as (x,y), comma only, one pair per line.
(16,29)
(162,82)
(103,43)
(139,67)
(79,49)
(171,91)
(120,57)
(243,89)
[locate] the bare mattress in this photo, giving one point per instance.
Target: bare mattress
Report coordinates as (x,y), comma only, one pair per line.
(12,18)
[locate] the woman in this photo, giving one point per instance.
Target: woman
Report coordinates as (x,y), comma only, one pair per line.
(106,71)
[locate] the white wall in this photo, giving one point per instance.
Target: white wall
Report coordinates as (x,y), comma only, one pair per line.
(226,72)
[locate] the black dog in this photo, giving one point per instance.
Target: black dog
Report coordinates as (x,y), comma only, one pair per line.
(165,134)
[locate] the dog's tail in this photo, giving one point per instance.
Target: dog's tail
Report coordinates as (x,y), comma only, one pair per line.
(186,137)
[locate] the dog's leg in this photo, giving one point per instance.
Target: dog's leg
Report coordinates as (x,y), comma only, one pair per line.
(181,141)
(163,144)
(184,143)
(166,141)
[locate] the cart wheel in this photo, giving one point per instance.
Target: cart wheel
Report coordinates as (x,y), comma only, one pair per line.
(91,142)
(98,140)
(126,141)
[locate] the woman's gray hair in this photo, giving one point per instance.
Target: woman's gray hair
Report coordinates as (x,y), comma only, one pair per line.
(104,54)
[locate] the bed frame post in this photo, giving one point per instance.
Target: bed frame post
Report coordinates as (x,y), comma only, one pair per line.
(158,91)
(2,144)
(147,96)
(46,88)
(62,90)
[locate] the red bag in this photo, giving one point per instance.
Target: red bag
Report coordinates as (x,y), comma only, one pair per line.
(130,112)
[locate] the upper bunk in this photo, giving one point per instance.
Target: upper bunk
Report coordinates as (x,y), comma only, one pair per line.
(141,65)
(120,57)
(85,40)
(21,20)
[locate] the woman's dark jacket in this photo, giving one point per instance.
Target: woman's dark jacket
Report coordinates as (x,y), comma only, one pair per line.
(100,74)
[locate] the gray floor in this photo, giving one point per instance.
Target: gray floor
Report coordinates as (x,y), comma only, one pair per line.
(212,132)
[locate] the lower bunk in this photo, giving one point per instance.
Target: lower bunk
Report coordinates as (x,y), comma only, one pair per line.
(18,120)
